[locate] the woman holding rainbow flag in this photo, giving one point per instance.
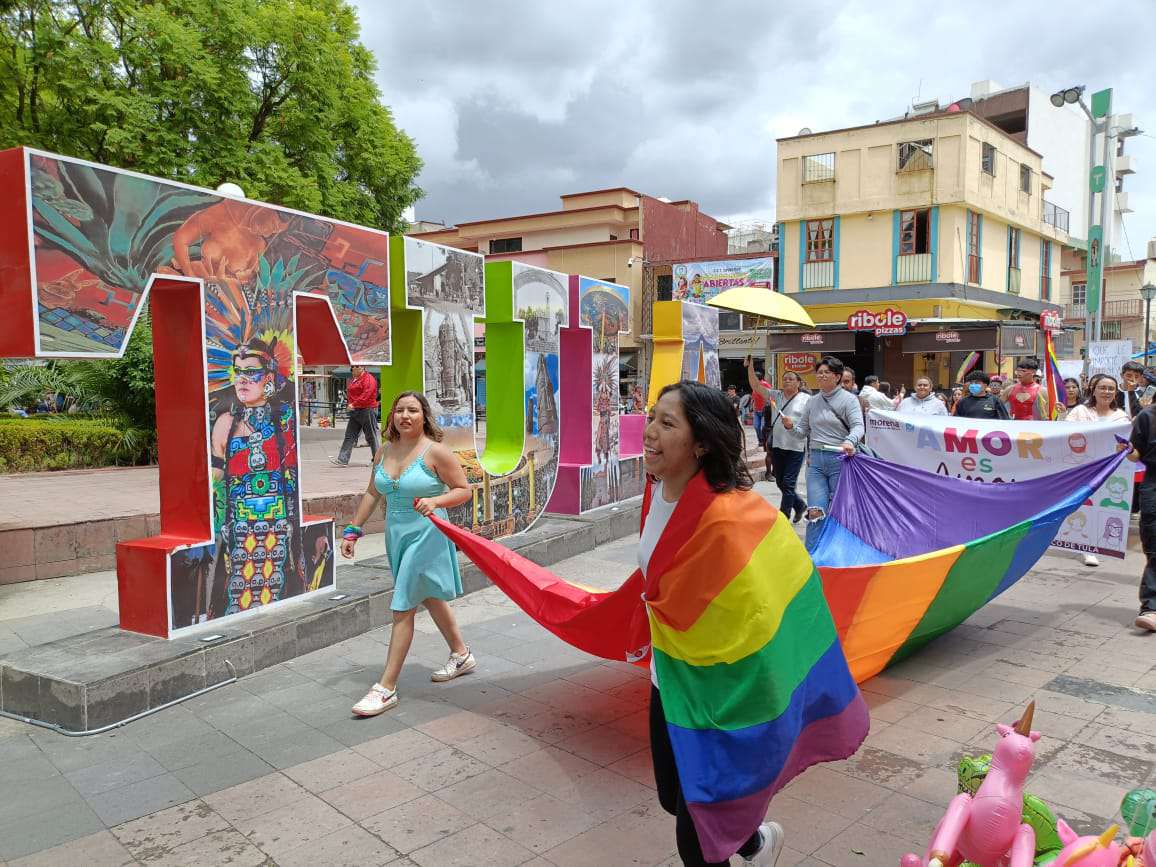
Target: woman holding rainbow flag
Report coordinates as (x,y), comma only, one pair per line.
(749,685)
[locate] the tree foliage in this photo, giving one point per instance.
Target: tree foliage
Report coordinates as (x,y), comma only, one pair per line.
(276,95)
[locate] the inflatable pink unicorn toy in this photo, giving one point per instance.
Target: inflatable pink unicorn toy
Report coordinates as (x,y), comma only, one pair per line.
(1080,851)
(987,829)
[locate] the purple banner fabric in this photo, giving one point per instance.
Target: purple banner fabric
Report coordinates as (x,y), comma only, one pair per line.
(904,511)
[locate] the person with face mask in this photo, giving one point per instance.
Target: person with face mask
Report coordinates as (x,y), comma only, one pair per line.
(977,401)
(924,401)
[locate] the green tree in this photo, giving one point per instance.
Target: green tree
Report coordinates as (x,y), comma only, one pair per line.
(276,95)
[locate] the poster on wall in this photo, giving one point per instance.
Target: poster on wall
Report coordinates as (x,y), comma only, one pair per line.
(701,281)
(995,452)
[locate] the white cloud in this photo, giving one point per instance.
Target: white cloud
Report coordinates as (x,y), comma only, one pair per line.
(513,103)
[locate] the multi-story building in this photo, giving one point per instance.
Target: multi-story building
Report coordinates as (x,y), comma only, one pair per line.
(915,242)
(1124,314)
(606,234)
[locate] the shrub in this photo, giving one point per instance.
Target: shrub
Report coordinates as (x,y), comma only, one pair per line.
(34,445)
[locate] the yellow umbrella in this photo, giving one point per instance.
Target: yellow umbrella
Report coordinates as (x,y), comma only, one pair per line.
(760,301)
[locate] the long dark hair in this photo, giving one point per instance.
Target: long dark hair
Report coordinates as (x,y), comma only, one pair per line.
(429,426)
(1090,402)
(716,429)
(1078,390)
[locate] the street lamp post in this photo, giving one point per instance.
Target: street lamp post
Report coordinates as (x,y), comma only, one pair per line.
(1147,292)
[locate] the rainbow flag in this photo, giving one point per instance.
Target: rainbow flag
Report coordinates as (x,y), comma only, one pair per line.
(968,363)
(1053,377)
(754,683)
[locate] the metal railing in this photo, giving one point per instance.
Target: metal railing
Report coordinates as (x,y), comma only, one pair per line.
(1056,216)
(819,167)
(913,268)
(1128,308)
(818,275)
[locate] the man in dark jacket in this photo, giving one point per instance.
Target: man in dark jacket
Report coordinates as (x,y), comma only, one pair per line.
(1144,451)
(977,402)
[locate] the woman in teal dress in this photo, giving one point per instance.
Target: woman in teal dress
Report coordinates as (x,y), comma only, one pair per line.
(415,475)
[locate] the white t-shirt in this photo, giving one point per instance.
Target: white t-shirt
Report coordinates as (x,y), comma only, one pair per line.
(656,520)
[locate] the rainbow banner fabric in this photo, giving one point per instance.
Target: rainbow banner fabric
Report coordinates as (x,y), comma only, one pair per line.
(754,683)
(906,555)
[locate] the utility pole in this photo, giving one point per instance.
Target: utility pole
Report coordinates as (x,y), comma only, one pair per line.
(1098,236)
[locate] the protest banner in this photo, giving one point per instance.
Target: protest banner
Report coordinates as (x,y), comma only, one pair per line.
(1108,356)
(997,452)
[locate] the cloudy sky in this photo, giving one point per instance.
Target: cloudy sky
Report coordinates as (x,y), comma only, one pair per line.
(514,103)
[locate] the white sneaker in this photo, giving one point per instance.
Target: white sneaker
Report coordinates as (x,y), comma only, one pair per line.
(773,839)
(1091,560)
(454,667)
(377,700)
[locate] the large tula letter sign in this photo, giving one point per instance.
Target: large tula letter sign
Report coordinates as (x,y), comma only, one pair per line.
(442,308)
(685,345)
(597,466)
(236,291)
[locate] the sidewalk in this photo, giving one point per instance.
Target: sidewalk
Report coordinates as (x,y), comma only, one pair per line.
(541,757)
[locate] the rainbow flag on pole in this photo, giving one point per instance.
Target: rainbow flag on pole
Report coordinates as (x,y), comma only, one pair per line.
(1053,377)
(753,679)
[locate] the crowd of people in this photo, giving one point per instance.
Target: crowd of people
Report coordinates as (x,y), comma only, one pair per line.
(796,426)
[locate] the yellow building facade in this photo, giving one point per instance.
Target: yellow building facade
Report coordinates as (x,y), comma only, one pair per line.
(940,218)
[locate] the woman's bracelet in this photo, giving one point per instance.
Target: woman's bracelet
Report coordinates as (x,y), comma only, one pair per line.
(352,533)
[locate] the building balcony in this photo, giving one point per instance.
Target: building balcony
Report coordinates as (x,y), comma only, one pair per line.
(1056,216)
(913,268)
(819,275)
(1127,308)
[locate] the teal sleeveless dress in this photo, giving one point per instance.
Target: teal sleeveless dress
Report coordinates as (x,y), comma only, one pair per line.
(424,562)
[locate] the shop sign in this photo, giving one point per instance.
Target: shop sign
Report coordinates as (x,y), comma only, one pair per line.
(1051,320)
(813,341)
(799,362)
(889,323)
(951,340)
(742,340)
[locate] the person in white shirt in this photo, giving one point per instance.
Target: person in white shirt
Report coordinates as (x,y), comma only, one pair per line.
(873,395)
(923,402)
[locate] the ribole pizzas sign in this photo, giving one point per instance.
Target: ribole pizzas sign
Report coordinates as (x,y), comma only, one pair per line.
(889,323)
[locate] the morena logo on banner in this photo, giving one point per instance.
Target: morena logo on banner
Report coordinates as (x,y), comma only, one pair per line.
(798,362)
(1051,320)
(889,323)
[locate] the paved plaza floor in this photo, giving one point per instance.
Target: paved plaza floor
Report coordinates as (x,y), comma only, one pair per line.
(540,757)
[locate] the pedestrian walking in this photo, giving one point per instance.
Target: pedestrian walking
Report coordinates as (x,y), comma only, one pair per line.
(978,401)
(1101,406)
(759,389)
(362,396)
(831,424)
(786,446)
(692,438)
(875,395)
(416,476)
(1144,451)
(924,401)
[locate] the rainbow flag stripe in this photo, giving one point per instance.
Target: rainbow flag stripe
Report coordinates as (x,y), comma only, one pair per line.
(754,683)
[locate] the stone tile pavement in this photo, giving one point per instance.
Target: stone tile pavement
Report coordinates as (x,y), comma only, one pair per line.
(541,758)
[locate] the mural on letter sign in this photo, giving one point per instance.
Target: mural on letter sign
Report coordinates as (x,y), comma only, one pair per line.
(523,308)
(604,308)
(100,236)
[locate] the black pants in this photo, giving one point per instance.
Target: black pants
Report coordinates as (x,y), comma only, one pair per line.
(786,465)
(670,793)
(360,421)
(1147,492)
